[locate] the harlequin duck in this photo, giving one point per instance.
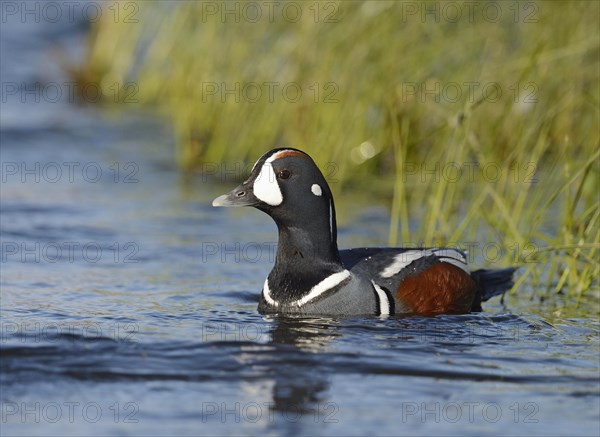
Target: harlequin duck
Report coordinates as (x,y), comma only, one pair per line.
(312,277)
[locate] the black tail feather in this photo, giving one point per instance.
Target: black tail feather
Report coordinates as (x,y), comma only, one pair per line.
(492,283)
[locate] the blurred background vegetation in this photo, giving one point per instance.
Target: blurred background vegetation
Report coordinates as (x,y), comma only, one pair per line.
(475,123)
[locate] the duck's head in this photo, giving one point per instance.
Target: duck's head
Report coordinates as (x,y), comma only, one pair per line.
(287,184)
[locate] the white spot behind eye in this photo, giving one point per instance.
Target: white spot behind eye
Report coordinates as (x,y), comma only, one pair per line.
(316,190)
(266,187)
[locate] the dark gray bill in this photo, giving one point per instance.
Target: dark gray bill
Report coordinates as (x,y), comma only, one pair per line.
(240,196)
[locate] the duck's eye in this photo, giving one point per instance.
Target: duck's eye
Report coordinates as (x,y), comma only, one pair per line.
(284,174)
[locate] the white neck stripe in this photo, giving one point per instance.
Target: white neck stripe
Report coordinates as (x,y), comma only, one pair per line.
(384,302)
(267,294)
(325,285)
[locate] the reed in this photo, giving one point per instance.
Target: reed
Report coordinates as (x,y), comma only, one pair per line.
(478,128)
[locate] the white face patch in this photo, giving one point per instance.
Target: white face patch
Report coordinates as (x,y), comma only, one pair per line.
(316,189)
(266,187)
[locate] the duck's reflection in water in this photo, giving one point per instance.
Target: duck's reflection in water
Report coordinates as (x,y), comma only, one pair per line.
(298,366)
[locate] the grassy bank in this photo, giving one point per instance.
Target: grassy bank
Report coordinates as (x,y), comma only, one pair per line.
(474,122)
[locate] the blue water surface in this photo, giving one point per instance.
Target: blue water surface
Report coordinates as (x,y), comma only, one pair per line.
(128,304)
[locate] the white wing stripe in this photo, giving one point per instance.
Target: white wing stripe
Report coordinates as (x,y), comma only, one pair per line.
(450,253)
(454,257)
(456,263)
(402,260)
